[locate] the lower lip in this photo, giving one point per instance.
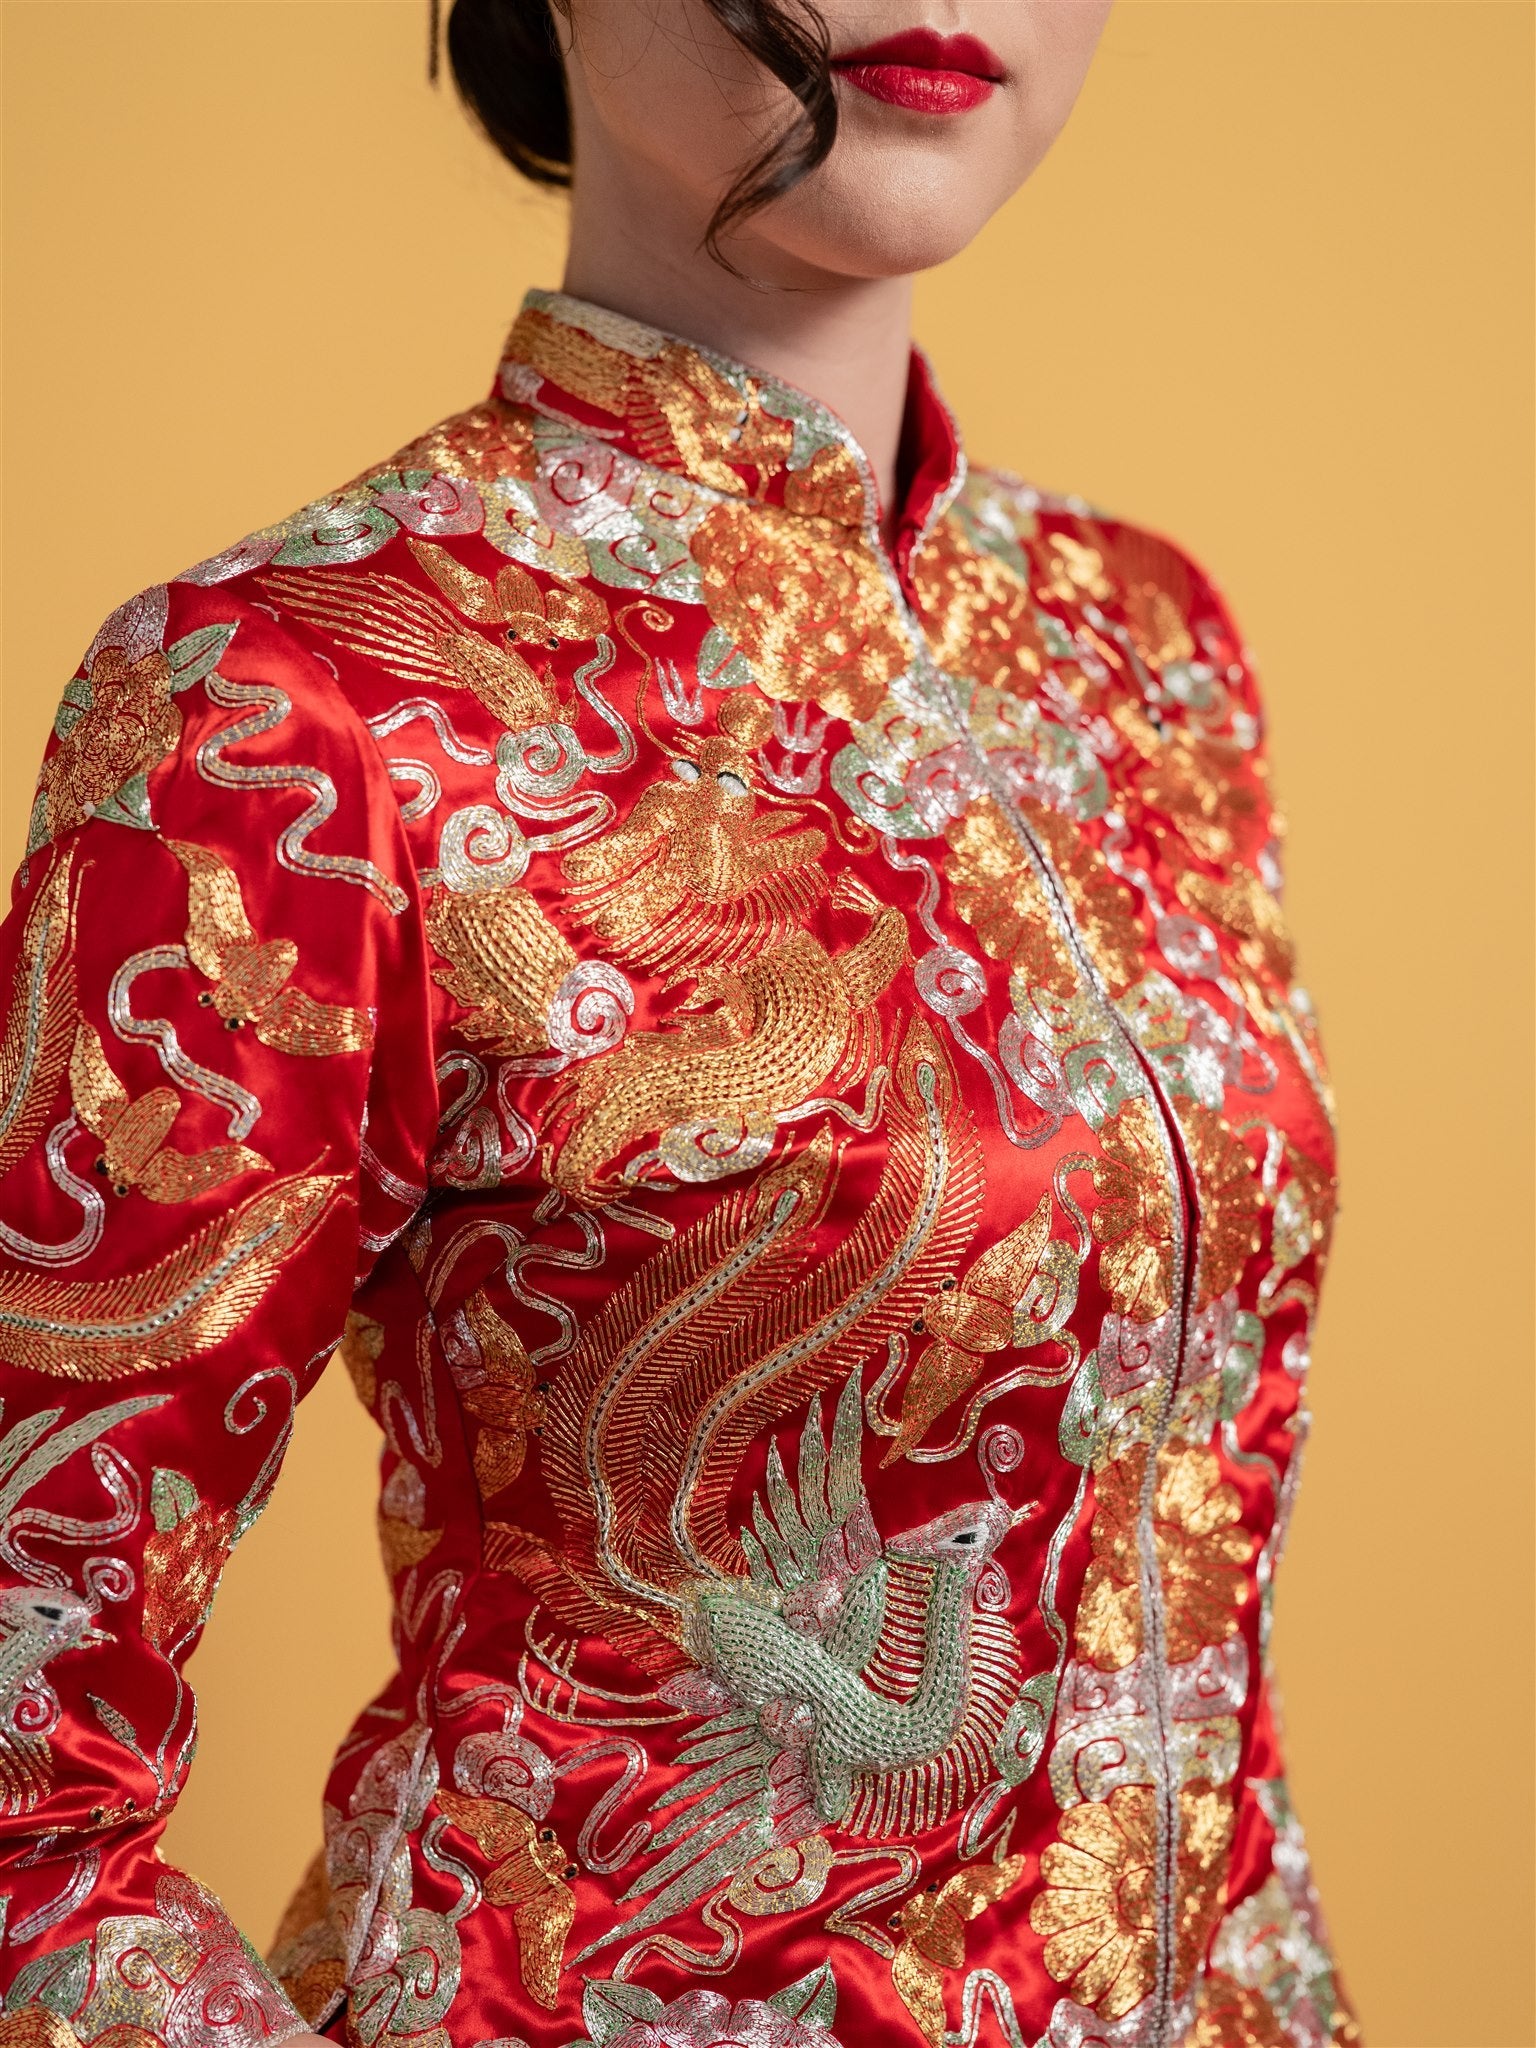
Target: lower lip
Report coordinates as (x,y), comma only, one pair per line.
(919,91)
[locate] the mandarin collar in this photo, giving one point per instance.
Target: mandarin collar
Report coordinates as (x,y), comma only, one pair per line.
(677,406)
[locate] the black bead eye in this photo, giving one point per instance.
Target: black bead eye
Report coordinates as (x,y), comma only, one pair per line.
(569,1871)
(947,1286)
(546,1834)
(205,998)
(233,1023)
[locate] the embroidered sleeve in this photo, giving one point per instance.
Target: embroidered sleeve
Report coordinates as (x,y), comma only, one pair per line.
(216,1095)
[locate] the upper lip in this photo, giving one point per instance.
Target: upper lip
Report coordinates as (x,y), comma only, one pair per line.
(925,49)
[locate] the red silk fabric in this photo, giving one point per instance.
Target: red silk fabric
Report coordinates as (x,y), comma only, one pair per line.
(781,1064)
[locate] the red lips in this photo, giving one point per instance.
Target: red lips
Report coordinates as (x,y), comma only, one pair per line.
(923,71)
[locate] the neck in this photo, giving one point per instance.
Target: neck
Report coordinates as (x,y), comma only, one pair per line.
(846,341)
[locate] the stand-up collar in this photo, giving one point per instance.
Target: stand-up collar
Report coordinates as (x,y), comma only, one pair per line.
(733,429)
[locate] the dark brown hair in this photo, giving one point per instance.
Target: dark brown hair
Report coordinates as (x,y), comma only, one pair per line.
(506,64)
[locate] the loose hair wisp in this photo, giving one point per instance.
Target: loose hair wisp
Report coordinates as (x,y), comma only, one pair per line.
(508,70)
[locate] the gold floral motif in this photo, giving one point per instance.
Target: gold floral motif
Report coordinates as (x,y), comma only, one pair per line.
(34,1051)
(1133,1219)
(1230,1199)
(130,726)
(480,446)
(530,1873)
(133,1132)
(1202,1553)
(978,611)
(1193,781)
(506,962)
(784,1023)
(805,602)
(1243,906)
(700,874)
(967,1322)
(998,893)
(189,1300)
(828,487)
(506,1404)
(932,1928)
(1303,1216)
(1206,1824)
(1106,915)
(415,636)
(183,1557)
(252,978)
(1098,1910)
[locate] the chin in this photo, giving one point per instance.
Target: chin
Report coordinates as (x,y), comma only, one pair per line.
(879,220)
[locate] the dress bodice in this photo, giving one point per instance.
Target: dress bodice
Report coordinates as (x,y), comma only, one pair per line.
(779,1060)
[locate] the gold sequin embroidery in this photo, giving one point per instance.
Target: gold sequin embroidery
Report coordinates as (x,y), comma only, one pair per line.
(189,1300)
(506,961)
(805,602)
(1133,1218)
(34,1052)
(134,1132)
(252,979)
(1202,1549)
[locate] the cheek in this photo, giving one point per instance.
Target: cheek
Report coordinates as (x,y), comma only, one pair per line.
(889,202)
(670,87)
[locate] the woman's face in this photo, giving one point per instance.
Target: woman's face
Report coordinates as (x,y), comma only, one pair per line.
(936,127)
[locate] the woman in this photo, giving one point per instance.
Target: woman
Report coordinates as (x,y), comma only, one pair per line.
(733,963)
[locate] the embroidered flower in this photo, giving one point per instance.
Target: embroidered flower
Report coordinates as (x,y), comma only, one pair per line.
(1202,1551)
(183,1557)
(1231,1201)
(1133,1220)
(129,726)
(806,604)
(978,612)
(1098,1911)
(1000,896)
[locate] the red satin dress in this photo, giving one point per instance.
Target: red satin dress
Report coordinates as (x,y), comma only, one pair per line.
(778,1063)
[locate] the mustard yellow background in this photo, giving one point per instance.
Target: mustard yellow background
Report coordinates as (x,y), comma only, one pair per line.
(1272,293)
